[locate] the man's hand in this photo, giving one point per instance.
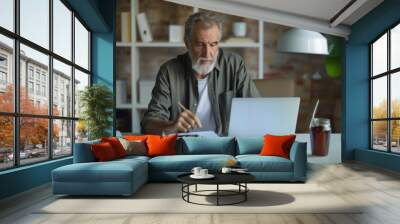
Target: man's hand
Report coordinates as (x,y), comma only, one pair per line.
(186,121)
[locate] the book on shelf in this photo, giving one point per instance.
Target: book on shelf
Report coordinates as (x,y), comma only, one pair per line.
(125,27)
(175,33)
(121,93)
(239,40)
(144,28)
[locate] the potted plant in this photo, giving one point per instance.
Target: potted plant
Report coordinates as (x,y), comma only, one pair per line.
(96,102)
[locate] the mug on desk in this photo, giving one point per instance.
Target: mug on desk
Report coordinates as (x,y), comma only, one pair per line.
(203,172)
(226,169)
(320,135)
(196,170)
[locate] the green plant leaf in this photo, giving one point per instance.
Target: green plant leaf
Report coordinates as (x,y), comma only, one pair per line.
(96,102)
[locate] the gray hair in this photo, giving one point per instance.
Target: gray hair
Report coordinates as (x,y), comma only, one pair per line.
(207,18)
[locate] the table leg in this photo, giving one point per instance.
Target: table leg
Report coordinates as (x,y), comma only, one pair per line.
(217,194)
(188,190)
(245,191)
(196,188)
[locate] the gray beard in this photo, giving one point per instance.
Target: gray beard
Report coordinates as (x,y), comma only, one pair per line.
(202,69)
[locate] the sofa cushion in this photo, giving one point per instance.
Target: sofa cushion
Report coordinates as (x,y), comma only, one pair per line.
(257,163)
(111,171)
(275,145)
(185,163)
(134,147)
(116,145)
(249,145)
(207,145)
(103,151)
(158,145)
(135,137)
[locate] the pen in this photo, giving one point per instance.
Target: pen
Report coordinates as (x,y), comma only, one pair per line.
(181,106)
(195,118)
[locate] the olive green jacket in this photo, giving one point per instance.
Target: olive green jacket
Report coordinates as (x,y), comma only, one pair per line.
(176,83)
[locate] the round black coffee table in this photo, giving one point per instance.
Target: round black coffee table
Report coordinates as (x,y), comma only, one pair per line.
(238,179)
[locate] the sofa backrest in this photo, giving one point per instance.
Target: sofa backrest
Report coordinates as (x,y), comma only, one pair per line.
(83,152)
(189,146)
(249,145)
(206,145)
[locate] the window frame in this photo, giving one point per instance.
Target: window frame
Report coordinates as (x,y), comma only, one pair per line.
(388,74)
(16,114)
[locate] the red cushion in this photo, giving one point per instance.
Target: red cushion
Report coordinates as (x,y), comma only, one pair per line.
(161,145)
(116,145)
(135,137)
(103,151)
(277,145)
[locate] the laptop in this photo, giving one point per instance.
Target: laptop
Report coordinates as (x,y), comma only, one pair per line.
(252,117)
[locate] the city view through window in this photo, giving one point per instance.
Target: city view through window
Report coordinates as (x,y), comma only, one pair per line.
(385,91)
(39,113)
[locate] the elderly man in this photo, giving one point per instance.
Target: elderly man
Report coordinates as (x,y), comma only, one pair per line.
(194,91)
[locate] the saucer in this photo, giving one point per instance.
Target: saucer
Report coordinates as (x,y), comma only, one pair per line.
(208,176)
(240,171)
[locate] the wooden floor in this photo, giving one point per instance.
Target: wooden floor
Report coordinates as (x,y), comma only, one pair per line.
(378,188)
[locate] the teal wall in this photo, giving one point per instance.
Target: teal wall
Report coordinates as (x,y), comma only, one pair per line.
(103,52)
(24,178)
(356,112)
(99,15)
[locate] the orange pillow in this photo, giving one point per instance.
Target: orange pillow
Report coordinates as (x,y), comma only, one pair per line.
(277,145)
(103,151)
(161,145)
(116,145)
(135,137)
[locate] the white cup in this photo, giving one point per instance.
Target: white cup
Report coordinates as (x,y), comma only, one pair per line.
(226,170)
(196,170)
(239,29)
(203,172)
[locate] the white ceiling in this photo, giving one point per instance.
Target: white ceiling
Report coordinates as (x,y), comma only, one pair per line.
(319,9)
(315,15)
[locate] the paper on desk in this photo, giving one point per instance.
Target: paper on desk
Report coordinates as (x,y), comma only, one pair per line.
(199,134)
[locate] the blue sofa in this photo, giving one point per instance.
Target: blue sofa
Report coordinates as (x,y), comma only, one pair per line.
(125,176)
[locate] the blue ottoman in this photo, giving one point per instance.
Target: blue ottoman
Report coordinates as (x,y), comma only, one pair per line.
(118,177)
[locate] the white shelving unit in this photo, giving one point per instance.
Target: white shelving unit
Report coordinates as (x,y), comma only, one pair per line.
(135,106)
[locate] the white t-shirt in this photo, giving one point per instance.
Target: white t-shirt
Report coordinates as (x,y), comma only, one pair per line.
(204,111)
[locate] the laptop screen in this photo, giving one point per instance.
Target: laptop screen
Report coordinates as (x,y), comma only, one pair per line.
(253,117)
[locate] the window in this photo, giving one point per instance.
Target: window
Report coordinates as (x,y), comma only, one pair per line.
(43,90)
(30,87)
(6,89)
(3,72)
(81,81)
(34,21)
(38,89)
(3,78)
(62,29)
(37,74)
(43,77)
(30,72)
(62,74)
(3,61)
(63,140)
(384,92)
(81,45)
(7,14)
(54,126)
